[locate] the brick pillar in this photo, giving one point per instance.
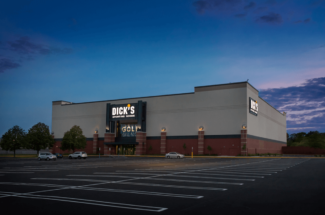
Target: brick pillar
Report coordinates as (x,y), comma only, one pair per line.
(243,141)
(201,143)
(95,143)
(163,142)
(141,138)
(108,138)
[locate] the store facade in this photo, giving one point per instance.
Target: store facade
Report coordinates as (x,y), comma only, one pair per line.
(226,119)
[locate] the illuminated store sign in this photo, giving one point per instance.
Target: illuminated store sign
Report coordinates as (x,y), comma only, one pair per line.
(129,130)
(253,106)
(125,111)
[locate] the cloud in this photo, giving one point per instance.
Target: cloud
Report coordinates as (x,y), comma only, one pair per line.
(301,128)
(6,64)
(23,49)
(271,18)
(203,5)
(304,103)
(250,6)
(23,45)
(303,21)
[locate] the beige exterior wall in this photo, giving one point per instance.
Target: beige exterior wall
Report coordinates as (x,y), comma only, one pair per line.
(221,110)
(269,123)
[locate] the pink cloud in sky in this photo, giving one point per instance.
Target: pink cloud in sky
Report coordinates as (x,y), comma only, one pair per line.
(289,79)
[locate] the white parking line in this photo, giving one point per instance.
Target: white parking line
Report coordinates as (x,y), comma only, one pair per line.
(169,175)
(175,186)
(132,183)
(87,201)
(107,190)
(188,176)
(25,170)
(112,176)
(255,169)
(16,172)
(225,175)
(243,171)
(100,173)
(235,173)
(190,181)
(158,179)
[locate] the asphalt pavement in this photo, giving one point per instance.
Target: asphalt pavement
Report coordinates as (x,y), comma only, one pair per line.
(139,185)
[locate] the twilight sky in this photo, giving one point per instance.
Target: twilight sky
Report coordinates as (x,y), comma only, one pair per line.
(82,51)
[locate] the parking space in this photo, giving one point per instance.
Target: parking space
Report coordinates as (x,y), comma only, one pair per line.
(141,185)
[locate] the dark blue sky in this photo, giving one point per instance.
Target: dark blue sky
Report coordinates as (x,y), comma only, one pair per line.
(82,51)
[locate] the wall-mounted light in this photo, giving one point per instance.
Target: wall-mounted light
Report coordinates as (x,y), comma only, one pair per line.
(163,129)
(96,131)
(244,126)
(201,128)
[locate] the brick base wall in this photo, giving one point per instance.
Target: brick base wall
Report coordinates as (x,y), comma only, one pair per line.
(177,146)
(155,145)
(227,146)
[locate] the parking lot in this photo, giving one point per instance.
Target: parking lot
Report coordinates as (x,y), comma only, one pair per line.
(157,185)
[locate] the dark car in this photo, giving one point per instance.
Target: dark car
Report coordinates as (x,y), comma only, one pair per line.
(58,155)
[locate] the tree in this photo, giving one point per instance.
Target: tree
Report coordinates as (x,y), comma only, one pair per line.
(209,149)
(13,139)
(73,139)
(184,146)
(39,137)
(315,140)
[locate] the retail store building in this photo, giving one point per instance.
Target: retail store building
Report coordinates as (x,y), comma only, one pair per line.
(226,119)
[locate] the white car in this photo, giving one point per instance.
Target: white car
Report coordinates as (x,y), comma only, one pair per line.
(78,155)
(46,156)
(174,155)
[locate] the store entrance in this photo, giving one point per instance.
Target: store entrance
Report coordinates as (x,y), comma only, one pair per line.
(127,149)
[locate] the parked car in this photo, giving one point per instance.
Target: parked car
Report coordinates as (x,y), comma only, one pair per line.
(58,155)
(174,155)
(78,155)
(46,156)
